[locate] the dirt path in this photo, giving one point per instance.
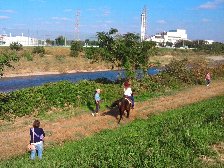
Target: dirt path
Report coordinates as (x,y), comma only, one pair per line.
(15,137)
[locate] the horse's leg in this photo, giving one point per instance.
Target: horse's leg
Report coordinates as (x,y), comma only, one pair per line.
(121,113)
(128,111)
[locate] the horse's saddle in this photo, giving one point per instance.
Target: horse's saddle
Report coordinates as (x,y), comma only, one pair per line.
(129,100)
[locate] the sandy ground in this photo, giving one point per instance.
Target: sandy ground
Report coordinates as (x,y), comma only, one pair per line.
(15,137)
(49,73)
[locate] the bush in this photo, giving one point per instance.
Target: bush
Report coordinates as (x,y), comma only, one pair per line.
(93,53)
(76,47)
(28,56)
(16,46)
(6,58)
(39,50)
(42,98)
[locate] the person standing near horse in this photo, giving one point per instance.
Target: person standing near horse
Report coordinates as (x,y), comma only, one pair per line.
(128,92)
(97,102)
(208,78)
(36,138)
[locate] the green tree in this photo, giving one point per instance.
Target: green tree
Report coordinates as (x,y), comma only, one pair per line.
(60,40)
(125,51)
(49,42)
(76,47)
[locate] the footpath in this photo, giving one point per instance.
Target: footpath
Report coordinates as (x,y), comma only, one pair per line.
(15,136)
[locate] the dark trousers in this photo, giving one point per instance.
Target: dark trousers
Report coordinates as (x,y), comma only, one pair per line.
(97,106)
(132,100)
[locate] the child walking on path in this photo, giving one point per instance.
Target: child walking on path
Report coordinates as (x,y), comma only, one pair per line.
(97,102)
(208,78)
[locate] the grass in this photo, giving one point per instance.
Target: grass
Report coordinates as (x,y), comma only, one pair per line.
(177,138)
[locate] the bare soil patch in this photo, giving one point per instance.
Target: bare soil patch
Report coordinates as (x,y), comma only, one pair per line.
(15,136)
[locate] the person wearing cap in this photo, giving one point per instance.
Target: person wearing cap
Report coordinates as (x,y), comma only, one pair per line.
(128,92)
(97,102)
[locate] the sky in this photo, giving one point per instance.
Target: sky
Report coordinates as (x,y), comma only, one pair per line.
(202,19)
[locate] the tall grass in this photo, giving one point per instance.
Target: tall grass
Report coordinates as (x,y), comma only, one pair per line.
(177,138)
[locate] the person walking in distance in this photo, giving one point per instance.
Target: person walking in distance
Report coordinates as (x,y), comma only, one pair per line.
(208,78)
(97,102)
(36,138)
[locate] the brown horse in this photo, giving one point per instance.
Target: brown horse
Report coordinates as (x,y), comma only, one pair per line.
(124,104)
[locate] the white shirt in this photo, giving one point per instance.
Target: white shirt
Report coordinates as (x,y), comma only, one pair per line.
(127,92)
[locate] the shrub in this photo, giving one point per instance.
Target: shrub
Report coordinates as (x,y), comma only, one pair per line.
(5,60)
(39,50)
(16,46)
(76,47)
(28,56)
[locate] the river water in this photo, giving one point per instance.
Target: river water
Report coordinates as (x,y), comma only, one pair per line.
(16,83)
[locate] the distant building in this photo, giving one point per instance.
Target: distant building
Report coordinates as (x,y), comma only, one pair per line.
(171,36)
(209,41)
(6,40)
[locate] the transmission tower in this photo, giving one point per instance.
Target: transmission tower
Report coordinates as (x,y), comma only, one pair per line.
(77,25)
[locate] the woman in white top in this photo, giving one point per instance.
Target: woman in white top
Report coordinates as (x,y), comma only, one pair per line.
(128,92)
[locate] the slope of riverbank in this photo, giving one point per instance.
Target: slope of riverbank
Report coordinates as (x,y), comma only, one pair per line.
(84,125)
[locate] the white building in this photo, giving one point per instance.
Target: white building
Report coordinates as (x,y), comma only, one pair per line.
(6,40)
(171,36)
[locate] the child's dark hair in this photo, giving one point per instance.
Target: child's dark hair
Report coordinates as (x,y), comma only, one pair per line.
(36,124)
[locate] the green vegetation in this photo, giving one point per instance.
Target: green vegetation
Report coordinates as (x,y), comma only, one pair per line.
(202,46)
(62,94)
(16,46)
(123,51)
(6,57)
(76,48)
(39,50)
(177,138)
(54,95)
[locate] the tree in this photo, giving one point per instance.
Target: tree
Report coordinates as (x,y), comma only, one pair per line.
(76,47)
(125,51)
(49,42)
(60,40)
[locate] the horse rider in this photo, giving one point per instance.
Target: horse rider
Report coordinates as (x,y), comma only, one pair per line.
(128,92)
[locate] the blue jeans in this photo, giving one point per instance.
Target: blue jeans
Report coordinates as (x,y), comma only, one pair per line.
(39,149)
(132,99)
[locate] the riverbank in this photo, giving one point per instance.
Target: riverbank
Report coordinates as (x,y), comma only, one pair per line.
(77,127)
(50,73)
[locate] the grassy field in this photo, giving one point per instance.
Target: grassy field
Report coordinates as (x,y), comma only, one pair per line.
(191,136)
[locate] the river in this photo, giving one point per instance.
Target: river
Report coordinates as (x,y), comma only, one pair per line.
(16,83)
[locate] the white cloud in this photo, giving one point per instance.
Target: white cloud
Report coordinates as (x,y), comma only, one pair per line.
(106,12)
(7,11)
(161,21)
(4,17)
(61,18)
(211,4)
